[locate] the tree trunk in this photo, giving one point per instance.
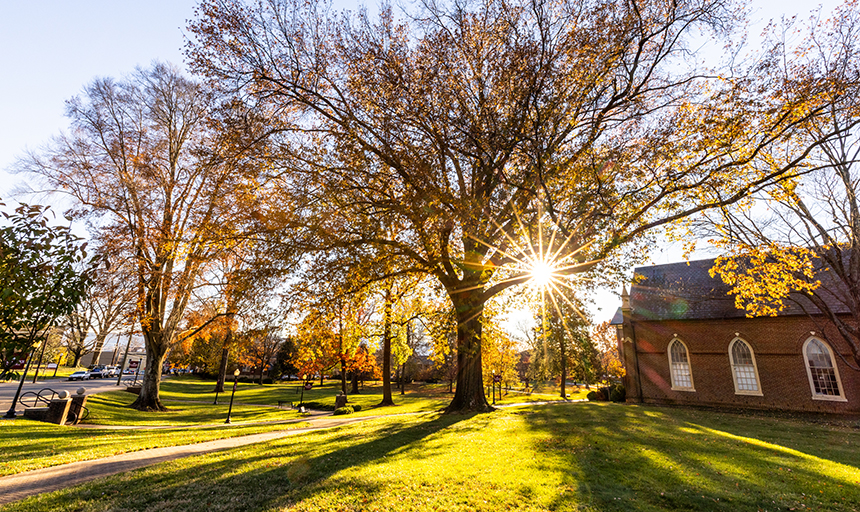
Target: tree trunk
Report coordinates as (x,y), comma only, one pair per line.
(563,354)
(386,353)
(222,367)
(469,395)
(342,373)
(77,359)
(156,350)
(98,346)
(402,378)
(354,390)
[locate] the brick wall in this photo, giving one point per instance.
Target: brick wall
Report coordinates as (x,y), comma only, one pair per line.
(777,345)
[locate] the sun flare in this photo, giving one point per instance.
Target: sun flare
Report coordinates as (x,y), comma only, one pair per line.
(542,273)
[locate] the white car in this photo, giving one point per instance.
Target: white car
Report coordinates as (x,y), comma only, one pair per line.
(80,375)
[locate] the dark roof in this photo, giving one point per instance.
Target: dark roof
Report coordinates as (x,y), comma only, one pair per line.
(685,291)
(617,318)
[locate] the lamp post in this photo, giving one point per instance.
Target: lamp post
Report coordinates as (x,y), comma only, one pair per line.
(235,380)
(302,398)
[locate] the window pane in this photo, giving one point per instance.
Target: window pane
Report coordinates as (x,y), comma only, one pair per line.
(821,369)
(742,365)
(680,366)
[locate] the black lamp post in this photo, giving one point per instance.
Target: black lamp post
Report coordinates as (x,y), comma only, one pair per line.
(235,380)
(302,398)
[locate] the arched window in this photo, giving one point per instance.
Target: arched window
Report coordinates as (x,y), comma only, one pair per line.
(823,373)
(744,370)
(679,366)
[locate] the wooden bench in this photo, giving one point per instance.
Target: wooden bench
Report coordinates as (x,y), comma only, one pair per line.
(285,404)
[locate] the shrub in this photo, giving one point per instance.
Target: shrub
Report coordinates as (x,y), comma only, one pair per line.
(591,396)
(619,394)
(319,406)
(356,407)
(344,410)
(267,380)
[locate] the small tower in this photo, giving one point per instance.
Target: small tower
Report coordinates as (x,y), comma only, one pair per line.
(628,350)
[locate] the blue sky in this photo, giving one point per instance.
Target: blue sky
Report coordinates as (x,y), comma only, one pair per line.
(51,48)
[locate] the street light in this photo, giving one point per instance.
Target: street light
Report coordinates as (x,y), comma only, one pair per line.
(302,398)
(235,380)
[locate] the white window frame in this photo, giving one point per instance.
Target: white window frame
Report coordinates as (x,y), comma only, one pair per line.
(692,387)
(815,396)
(739,391)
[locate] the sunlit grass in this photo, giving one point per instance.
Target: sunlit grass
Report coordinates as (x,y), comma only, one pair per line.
(418,397)
(586,457)
(27,445)
(111,408)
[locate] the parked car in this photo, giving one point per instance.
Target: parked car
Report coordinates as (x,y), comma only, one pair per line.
(111,371)
(80,375)
(97,373)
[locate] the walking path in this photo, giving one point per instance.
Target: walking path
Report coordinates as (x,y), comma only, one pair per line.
(22,485)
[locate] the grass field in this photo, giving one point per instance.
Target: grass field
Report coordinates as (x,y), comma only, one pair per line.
(586,456)
(419,397)
(111,408)
(27,445)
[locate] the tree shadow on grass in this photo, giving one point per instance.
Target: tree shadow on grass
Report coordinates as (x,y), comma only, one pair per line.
(614,457)
(256,477)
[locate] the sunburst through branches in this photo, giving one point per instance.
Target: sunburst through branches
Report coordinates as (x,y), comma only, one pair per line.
(548,262)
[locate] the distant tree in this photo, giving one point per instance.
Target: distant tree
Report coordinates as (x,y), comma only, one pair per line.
(562,346)
(285,359)
(443,332)
(499,348)
(76,328)
(109,304)
(363,367)
(605,340)
(259,349)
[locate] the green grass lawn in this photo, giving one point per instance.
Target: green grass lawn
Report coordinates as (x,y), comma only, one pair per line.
(419,397)
(27,445)
(111,408)
(587,456)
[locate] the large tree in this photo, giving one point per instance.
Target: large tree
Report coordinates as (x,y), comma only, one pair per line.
(466,124)
(143,164)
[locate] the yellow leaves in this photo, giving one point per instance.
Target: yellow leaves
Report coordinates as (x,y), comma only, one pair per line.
(762,277)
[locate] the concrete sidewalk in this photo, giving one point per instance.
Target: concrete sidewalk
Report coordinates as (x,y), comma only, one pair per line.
(22,485)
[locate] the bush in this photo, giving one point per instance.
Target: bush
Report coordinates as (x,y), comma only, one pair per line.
(344,410)
(598,396)
(618,394)
(356,407)
(267,380)
(319,406)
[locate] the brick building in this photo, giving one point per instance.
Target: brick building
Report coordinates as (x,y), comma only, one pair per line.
(683,341)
